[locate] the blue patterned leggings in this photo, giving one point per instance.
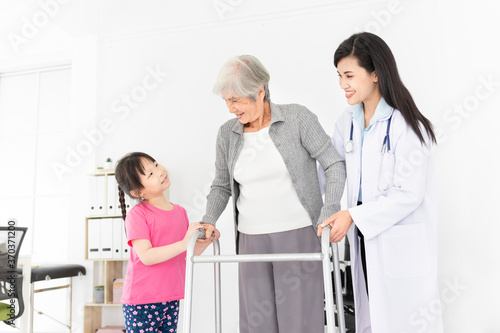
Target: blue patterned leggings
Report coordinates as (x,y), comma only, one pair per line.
(156,317)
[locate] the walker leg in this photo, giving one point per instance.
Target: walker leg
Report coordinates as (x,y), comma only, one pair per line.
(217,281)
(329,306)
(188,289)
(188,295)
(338,287)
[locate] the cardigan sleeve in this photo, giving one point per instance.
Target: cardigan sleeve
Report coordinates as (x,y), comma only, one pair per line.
(220,191)
(320,147)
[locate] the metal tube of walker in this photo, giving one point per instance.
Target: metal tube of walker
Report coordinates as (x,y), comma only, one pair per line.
(217,259)
(188,289)
(338,287)
(217,282)
(258,258)
(329,306)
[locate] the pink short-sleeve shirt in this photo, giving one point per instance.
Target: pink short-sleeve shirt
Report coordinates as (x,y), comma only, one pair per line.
(163,282)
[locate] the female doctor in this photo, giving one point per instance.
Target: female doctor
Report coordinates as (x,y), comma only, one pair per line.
(391,220)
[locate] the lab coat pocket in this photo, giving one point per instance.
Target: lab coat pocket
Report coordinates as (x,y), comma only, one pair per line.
(386,172)
(405,252)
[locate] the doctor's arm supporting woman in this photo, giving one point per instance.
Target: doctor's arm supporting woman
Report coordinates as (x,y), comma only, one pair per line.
(391,220)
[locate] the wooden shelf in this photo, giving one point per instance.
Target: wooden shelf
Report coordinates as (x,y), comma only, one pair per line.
(103,304)
(93,311)
(102,172)
(112,268)
(103,217)
(105,260)
(92,318)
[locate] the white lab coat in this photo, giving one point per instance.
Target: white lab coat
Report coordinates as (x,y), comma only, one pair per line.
(399,226)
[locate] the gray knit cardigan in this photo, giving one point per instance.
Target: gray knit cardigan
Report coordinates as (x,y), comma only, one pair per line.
(301,141)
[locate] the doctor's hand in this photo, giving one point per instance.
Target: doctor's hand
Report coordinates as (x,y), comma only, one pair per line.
(340,223)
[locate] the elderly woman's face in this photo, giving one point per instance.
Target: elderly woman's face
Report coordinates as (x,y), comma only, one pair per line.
(244,108)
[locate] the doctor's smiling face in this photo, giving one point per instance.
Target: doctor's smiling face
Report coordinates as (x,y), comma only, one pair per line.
(358,84)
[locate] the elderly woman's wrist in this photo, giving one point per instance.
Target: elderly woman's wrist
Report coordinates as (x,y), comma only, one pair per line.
(207,222)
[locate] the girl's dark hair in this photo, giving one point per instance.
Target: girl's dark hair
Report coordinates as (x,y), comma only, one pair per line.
(373,54)
(127,174)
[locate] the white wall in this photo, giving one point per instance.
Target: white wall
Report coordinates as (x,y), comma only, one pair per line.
(446,51)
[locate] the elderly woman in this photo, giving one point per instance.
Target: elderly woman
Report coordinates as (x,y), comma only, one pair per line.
(266,160)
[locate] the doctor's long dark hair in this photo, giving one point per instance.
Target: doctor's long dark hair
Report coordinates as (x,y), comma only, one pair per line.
(373,54)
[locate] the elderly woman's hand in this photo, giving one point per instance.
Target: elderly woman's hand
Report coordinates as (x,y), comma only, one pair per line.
(202,244)
(209,229)
(340,223)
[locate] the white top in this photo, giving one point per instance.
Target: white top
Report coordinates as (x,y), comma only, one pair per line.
(268,201)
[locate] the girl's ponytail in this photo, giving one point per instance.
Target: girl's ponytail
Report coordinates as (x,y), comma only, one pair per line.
(121,196)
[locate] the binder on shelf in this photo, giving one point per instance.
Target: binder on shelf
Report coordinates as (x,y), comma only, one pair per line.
(118,207)
(101,195)
(94,239)
(92,203)
(117,238)
(112,193)
(125,247)
(106,239)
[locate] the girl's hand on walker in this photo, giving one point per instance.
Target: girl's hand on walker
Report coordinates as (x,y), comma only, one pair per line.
(192,228)
(340,223)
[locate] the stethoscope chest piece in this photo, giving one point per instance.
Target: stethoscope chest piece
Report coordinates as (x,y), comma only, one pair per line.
(349,146)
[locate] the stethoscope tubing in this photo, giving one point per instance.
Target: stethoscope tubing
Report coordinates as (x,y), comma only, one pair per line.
(349,145)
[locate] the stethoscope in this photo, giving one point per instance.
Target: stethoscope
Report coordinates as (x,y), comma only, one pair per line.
(386,145)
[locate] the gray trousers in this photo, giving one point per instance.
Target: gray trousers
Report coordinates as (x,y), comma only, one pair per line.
(284,297)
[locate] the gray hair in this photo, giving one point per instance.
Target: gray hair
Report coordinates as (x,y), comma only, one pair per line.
(243,76)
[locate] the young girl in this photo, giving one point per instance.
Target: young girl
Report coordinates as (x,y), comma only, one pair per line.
(158,232)
(392,203)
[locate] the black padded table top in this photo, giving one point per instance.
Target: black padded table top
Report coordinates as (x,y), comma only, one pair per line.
(44,272)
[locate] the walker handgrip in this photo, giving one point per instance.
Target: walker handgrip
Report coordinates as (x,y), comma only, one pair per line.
(204,234)
(192,241)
